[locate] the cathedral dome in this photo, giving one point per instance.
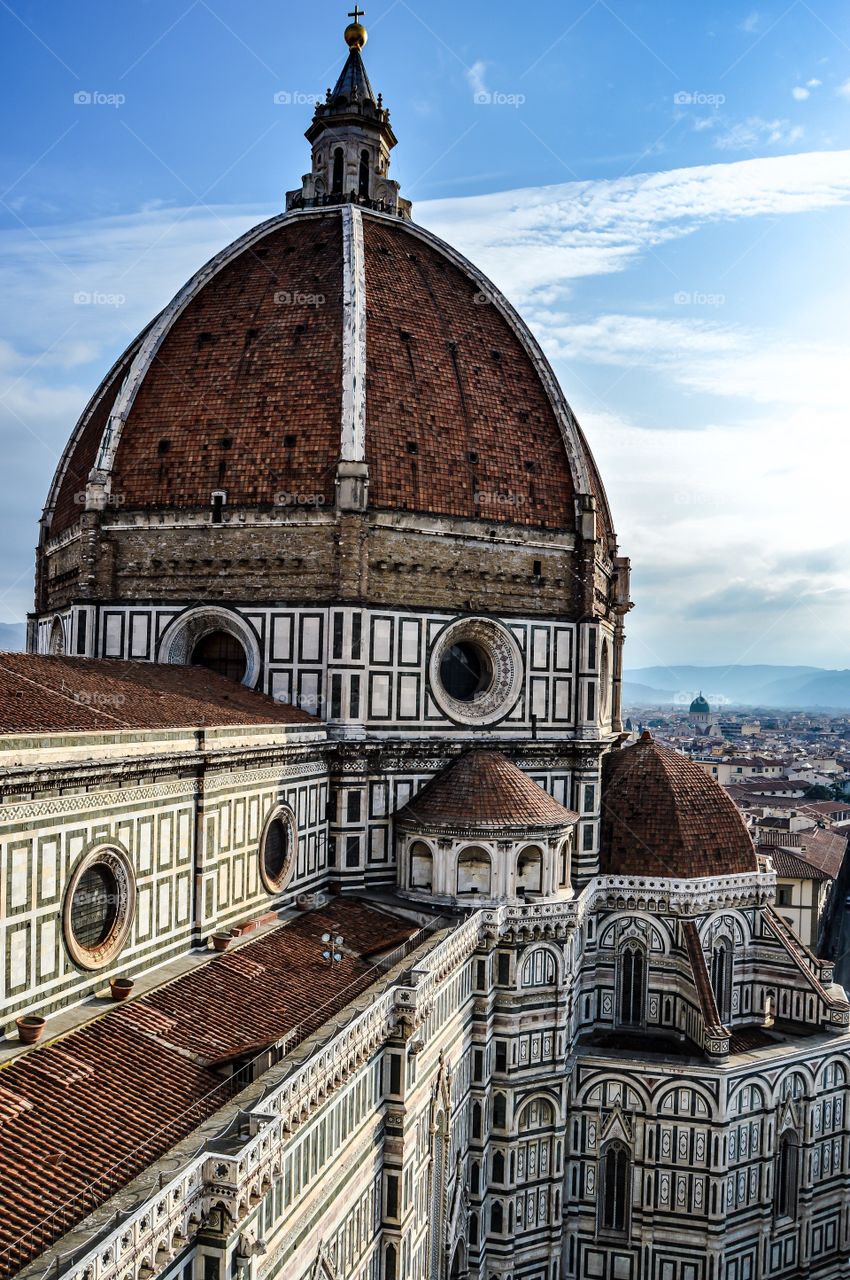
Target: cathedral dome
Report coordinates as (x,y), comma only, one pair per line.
(699,706)
(663,816)
(332,334)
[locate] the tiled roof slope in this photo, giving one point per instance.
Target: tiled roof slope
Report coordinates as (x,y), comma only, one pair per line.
(484,790)
(447,376)
(663,816)
(788,863)
(96,1107)
(40,694)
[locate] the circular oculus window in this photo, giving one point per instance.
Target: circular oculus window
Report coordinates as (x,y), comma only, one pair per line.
(278,847)
(475,671)
(99,906)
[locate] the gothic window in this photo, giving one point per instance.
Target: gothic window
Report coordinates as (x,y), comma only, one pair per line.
(529,870)
(787,1176)
(474,871)
(614,1188)
(499,1111)
(632,984)
(363,189)
(497,1218)
(476,1119)
(498,1168)
(338,177)
(564,863)
(721,977)
(421,866)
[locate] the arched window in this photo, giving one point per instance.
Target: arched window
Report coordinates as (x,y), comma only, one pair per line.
(537,1114)
(529,870)
(391,1263)
(473,871)
(500,1111)
(614,1188)
(632,984)
(498,1168)
(564,862)
(421,866)
(721,977)
(339,162)
(787,1176)
(476,1119)
(363,188)
(539,968)
(497,1218)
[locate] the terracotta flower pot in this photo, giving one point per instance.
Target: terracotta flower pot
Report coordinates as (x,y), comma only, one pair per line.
(30,1028)
(221,941)
(305,901)
(121,988)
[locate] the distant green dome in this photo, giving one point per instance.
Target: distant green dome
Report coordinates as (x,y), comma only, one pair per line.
(699,706)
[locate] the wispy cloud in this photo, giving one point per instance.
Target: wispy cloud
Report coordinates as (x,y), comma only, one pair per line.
(754,132)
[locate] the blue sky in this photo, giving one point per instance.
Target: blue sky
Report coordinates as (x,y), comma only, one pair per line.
(663,190)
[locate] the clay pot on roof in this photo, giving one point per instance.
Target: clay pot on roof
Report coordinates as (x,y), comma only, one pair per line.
(221,941)
(30,1028)
(121,988)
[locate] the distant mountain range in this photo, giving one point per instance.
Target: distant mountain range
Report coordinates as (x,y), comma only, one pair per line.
(793,688)
(13,637)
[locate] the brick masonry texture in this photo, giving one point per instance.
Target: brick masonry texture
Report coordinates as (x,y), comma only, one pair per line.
(99,1105)
(662,816)
(447,376)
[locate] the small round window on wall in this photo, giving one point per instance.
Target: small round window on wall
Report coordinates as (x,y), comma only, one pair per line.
(278,850)
(475,671)
(100,903)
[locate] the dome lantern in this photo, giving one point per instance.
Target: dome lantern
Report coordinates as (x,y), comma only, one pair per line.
(351,139)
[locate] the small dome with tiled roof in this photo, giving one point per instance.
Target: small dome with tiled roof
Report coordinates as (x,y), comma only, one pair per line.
(663,816)
(484,791)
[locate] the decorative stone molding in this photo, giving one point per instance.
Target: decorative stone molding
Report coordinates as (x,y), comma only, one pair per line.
(505,659)
(118,865)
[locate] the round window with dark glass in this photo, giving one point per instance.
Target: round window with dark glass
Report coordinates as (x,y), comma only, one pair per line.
(466,671)
(94,906)
(276,853)
(221,652)
(99,908)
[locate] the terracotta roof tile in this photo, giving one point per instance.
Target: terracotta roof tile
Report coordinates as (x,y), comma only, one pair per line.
(663,816)
(484,790)
(40,694)
(90,1111)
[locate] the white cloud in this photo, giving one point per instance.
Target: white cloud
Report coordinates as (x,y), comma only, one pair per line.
(538,237)
(475,78)
(799,93)
(844,89)
(814,84)
(754,132)
(751,22)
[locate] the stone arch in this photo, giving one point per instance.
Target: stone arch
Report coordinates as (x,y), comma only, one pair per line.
(188,629)
(540,965)
(529,869)
(474,871)
(56,640)
(537,1112)
(420,866)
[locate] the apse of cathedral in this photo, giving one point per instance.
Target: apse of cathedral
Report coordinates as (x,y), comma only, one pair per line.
(343,938)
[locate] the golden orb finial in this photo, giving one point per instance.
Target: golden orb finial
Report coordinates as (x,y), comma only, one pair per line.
(356,34)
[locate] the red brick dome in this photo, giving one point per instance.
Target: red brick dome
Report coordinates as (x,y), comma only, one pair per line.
(245,382)
(663,816)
